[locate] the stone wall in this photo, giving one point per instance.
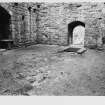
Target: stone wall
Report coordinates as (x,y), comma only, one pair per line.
(55,17)
(23,24)
(47,23)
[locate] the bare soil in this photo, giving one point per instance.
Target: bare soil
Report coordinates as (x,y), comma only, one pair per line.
(42,70)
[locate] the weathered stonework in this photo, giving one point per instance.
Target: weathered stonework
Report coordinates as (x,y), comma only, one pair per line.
(47,23)
(54,20)
(23,24)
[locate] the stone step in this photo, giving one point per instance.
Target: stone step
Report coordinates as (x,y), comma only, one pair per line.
(1,51)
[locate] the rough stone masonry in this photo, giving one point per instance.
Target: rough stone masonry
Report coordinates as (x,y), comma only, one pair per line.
(53,23)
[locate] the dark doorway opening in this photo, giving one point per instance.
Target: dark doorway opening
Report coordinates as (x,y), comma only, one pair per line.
(4,27)
(71,26)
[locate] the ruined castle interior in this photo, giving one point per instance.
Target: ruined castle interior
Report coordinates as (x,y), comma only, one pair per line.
(39,44)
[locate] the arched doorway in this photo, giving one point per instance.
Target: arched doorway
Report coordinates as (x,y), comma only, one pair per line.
(76,33)
(5,32)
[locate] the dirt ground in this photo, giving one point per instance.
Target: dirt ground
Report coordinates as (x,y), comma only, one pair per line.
(41,70)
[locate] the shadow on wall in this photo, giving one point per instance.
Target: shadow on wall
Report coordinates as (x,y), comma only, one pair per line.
(71,27)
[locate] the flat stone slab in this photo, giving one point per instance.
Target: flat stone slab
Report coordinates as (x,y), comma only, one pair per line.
(75,50)
(1,50)
(82,50)
(71,49)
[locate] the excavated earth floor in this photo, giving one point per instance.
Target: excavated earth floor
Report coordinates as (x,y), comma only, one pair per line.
(43,70)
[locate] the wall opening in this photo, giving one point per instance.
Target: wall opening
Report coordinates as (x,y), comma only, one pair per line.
(5,22)
(103,40)
(76,33)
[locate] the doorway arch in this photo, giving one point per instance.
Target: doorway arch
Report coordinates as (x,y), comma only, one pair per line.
(76,32)
(5,21)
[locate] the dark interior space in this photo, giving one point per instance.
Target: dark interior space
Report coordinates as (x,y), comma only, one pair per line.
(103,40)
(71,26)
(4,27)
